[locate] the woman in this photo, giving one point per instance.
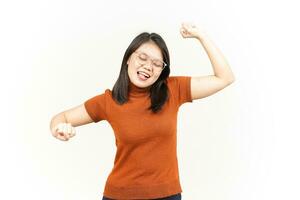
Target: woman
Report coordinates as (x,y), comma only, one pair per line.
(142,110)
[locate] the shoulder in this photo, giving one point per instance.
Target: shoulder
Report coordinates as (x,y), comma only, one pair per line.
(107,91)
(178,80)
(107,94)
(171,80)
(180,88)
(177,77)
(102,96)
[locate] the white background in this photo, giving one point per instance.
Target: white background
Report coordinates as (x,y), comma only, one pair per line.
(240,143)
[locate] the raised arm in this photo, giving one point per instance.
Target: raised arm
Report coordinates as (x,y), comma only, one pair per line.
(203,86)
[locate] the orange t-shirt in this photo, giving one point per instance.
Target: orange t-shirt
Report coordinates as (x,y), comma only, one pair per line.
(145,165)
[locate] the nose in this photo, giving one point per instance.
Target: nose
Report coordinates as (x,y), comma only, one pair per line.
(148,65)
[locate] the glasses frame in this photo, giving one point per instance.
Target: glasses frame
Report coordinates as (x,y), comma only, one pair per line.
(148,58)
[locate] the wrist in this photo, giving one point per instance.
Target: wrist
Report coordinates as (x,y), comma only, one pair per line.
(201,37)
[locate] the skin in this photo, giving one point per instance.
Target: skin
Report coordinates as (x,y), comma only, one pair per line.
(154,52)
(204,86)
(201,86)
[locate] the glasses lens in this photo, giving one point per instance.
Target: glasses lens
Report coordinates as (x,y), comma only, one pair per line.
(158,64)
(143,58)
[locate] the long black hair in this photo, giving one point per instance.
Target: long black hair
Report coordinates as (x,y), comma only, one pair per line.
(158,90)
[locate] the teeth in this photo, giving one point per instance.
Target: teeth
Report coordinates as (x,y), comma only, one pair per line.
(144,74)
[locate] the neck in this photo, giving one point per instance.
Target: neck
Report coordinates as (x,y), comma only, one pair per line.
(138,91)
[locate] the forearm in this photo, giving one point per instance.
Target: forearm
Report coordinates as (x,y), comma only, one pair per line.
(220,66)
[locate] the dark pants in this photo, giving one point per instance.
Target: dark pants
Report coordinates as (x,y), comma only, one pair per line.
(173,197)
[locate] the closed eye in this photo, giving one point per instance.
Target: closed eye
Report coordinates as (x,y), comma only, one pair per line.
(143,57)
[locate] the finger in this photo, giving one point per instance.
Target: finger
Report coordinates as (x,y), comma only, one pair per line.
(183,24)
(73,131)
(61,127)
(186,26)
(182,30)
(59,130)
(61,137)
(54,130)
(70,130)
(65,130)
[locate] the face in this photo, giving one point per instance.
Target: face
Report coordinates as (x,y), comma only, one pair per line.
(136,69)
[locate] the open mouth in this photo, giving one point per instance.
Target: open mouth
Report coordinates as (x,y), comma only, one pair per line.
(142,75)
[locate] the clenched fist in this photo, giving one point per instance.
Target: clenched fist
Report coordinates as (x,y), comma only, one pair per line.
(190,30)
(63,131)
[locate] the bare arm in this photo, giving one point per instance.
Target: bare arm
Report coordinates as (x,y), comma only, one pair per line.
(203,86)
(76,116)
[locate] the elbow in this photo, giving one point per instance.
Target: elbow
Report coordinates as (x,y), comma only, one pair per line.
(230,81)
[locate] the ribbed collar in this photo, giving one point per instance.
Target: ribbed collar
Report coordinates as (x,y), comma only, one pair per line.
(136,91)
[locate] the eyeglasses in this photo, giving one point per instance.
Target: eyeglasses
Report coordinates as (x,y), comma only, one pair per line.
(144,58)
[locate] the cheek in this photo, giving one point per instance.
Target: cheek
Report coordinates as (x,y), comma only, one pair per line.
(155,77)
(132,72)
(131,69)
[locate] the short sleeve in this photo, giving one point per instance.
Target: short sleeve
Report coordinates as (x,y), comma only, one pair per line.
(96,107)
(181,88)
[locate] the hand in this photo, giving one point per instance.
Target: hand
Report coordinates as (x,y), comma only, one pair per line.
(189,30)
(63,131)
